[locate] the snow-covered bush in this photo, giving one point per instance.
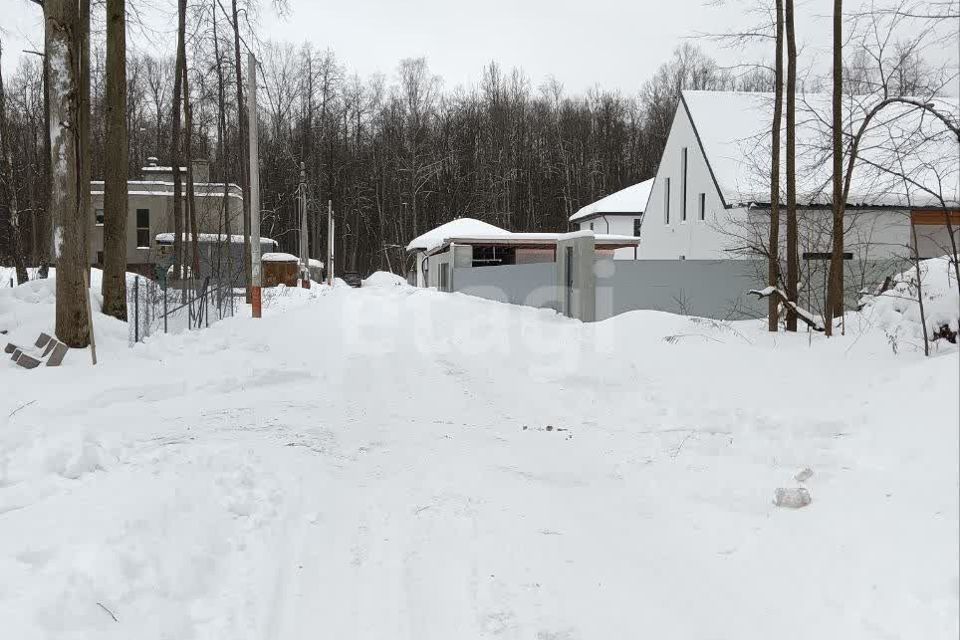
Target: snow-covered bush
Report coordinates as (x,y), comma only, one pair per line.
(897,310)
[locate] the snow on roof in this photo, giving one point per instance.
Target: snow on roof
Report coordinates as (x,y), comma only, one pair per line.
(733,128)
(633,199)
(459,227)
(167,238)
(279,257)
(535,239)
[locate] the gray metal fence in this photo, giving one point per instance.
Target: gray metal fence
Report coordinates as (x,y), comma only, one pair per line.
(532,285)
(708,288)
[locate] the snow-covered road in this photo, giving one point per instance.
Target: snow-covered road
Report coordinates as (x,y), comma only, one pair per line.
(399,463)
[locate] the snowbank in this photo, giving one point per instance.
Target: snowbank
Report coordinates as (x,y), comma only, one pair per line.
(393,462)
(897,310)
(29,309)
(384,279)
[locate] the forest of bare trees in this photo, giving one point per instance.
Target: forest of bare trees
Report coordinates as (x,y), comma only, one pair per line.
(396,155)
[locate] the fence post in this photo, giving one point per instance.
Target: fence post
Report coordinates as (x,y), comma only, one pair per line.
(136,309)
(206,302)
(164,305)
(190,307)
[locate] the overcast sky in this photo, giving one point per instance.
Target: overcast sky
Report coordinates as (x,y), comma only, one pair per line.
(615,44)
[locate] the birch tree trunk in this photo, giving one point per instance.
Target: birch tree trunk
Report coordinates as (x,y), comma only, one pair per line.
(114,286)
(773,248)
(835,286)
(793,259)
(63,49)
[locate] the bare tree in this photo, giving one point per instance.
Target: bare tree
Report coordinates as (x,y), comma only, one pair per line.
(84,157)
(835,289)
(188,152)
(178,73)
(116,175)
(63,50)
(793,259)
(773,257)
(917,266)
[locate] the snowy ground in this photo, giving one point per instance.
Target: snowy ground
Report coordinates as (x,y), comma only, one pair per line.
(399,463)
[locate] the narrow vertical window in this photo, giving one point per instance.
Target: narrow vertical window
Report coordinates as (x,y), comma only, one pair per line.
(683,184)
(637,222)
(703,207)
(143,228)
(666,201)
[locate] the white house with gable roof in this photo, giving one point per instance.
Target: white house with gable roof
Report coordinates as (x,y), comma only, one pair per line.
(620,213)
(711,197)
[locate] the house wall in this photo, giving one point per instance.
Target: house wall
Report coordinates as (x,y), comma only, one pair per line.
(533,256)
(617,225)
(934,240)
(693,239)
(160,205)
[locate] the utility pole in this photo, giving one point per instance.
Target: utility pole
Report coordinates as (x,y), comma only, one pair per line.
(304,234)
(254,256)
(330,230)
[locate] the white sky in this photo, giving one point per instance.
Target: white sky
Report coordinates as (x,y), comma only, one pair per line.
(616,44)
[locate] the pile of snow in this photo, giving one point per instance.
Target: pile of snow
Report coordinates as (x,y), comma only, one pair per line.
(384,279)
(8,275)
(897,310)
(453,229)
(30,309)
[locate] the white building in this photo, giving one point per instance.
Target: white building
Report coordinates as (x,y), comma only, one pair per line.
(466,243)
(620,213)
(150,213)
(711,196)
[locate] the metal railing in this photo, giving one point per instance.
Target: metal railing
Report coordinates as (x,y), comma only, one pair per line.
(154,307)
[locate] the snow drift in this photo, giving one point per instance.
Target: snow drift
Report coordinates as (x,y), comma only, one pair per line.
(897,310)
(393,462)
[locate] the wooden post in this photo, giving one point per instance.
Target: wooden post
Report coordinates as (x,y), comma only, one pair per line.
(330,230)
(304,232)
(256,273)
(93,342)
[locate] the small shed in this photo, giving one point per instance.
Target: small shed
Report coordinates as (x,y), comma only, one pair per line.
(280,268)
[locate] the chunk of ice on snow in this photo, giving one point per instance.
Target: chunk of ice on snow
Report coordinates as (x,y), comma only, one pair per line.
(792,498)
(804,474)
